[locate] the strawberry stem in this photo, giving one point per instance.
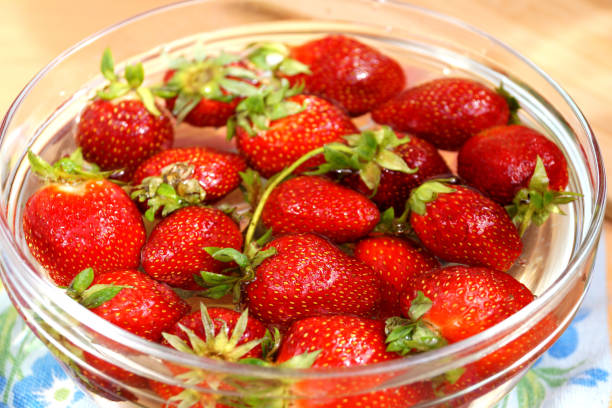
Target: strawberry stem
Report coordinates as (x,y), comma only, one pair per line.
(275,181)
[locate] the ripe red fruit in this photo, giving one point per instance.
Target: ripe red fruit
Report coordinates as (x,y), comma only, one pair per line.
(395,186)
(287,139)
(196,174)
(501,160)
(458,224)
(175,251)
(346,341)
(348,72)
(309,276)
(468,300)
(396,260)
(69,227)
(318,205)
(445,112)
(143,307)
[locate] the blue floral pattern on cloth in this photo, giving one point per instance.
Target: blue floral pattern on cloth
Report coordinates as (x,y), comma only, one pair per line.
(574,372)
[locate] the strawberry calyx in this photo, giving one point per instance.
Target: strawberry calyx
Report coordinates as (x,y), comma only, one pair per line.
(405,336)
(80,289)
(174,188)
(536,202)
(267,103)
(252,186)
(215,78)
(389,224)
(274,57)
(134,77)
(222,346)
(73,168)
(367,153)
(513,104)
(428,192)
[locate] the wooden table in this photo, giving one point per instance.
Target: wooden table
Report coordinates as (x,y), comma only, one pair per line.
(571,40)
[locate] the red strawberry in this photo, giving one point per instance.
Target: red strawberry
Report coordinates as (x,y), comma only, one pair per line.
(73,223)
(288,138)
(463,301)
(348,72)
(121,134)
(318,205)
(458,224)
(309,276)
(397,260)
(196,175)
(175,249)
(395,186)
(446,111)
(516,164)
(346,341)
(131,300)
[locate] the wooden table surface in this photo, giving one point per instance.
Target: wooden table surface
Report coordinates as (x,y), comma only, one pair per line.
(571,40)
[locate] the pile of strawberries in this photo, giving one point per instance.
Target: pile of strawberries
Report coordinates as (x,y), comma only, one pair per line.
(351,247)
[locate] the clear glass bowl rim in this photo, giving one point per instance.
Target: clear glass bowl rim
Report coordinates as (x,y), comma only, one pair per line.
(97,324)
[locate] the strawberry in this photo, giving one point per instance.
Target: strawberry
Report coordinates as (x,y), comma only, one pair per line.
(312,123)
(131,300)
(446,111)
(78,219)
(309,276)
(121,133)
(180,177)
(318,205)
(386,166)
(346,341)
(175,249)
(396,260)
(462,301)
(348,72)
(461,225)
(521,166)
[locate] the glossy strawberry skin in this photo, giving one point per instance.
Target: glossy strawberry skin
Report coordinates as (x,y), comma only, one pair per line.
(501,160)
(216,171)
(287,139)
(309,276)
(122,134)
(318,205)
(397,260)
(347,341)
(255,329)
(175,251)
(207,112)
(348,72)
(467,227)
(147,308)
(91,224)
(445,112)
(394,188)
(467,301)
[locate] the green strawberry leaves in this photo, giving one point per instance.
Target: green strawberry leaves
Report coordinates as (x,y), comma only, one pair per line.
(405,336)
(274,57)
(426,193)
(134,77)
(367,153)
(537,202)
(91,296)
(175,187)
(73,168)
(513,105)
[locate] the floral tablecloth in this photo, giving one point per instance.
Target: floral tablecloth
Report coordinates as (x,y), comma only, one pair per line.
(575,372)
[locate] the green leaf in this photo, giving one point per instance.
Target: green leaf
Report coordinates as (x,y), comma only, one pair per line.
(98,294)
(370,175)
(304,360)
(419,306)
(539,179)
(40,166)
(389,160)
(291,67)
(82,281)
(148,100)
(240,72)
(134,74)
(239,88)
(452,376)
(113,90)
(214,279)
(262,256)
(230,128)
(107,65)
(426,193)
(228,255)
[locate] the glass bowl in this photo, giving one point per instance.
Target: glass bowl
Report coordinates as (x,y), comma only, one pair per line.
(556,265)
